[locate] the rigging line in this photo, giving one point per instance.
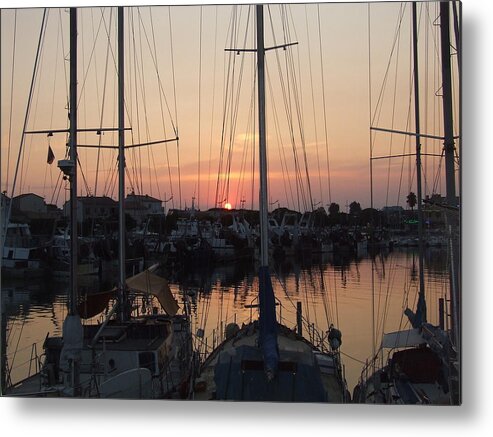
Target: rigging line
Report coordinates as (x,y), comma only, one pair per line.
(235,110)
(324,297)
(373,333)
(381,97)
(213,107)
(11,99)
(411,89)
(86,185)
(226,85)
(64,64)
(426,87)
(235,104)
(286,92)
(396,35)
(393,118)
(103,102)
(18,340)
(246,142)
(312,284)
(289,110)
(82,38)
(44,181)
(59,179)
(86,72)
(161,104)
(136,154)
(406,139)
(230,113)
(98,101)
(254,150)
(298,97)
(138,165)
(144,104)
(130,83)
(313,105)
(176,107)
(302,277)
(28,109)
(390,285)
(283,159)
(200,96)
(36,96)
(290,134)
(115,64)
(155,62)
(438,172)
(352,358)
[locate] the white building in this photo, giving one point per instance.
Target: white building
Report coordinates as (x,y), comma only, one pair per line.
(93,207)
(29,203)
(139,207)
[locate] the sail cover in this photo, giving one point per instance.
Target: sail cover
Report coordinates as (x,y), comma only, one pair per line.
(267,322)
(407,338)
(147,282)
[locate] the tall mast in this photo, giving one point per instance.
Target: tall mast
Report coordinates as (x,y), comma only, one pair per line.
(448,127)
(73,158)
(263,205)
(121,167)
(421,310)
(449,148)
(267,303)
(72,327)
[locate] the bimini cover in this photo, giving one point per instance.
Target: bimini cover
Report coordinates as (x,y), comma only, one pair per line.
(407,338)
(147,282)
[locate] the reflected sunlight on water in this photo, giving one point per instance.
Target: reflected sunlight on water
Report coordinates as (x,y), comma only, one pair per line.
(358,296)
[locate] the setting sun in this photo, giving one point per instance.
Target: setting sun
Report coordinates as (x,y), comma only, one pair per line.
(227,206)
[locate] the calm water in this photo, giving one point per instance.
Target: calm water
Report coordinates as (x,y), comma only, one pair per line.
(358,296)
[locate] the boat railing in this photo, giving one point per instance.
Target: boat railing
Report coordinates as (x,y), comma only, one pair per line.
(254,303)
(371,364)
(27,368)
(205,345)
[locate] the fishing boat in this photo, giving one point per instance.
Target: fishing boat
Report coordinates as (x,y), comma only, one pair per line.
(265,360)
(421,365)
(142,347)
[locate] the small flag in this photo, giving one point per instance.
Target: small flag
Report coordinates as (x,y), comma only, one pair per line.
(51,156)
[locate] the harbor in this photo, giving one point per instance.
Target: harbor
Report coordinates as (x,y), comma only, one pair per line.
(223,293)
(168,275)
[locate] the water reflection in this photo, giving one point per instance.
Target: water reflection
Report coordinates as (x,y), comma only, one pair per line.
(363,297)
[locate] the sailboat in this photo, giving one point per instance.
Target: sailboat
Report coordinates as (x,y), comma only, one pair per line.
(265,360)
(423,362)
(143,356)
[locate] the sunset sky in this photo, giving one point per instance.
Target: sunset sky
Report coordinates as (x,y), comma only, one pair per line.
(177,55)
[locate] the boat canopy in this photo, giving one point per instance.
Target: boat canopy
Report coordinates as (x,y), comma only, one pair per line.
(406,338)
(147,282)
(91,305)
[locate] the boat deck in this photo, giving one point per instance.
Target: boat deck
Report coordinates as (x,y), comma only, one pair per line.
(170,381)
(235,371)
(30,387)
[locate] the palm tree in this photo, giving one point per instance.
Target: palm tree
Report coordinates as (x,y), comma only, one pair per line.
(411,200)
(354,208)
(333,209)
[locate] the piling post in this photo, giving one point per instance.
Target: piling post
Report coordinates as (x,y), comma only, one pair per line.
(299,318)
(441,313)
(3,361)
